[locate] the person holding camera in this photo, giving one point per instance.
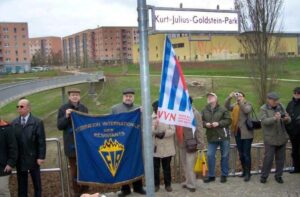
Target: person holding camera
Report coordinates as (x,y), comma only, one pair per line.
(240,111)
(293,128)
(216,120)
(273,120)
(164,149)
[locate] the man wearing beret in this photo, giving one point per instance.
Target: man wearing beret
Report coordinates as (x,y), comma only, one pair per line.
(273,119)
(293,129)
(64,123)
(128,105)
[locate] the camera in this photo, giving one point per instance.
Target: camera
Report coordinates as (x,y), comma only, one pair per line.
(237,94)
(282,115)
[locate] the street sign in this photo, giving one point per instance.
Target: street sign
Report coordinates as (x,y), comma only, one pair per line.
(165,20)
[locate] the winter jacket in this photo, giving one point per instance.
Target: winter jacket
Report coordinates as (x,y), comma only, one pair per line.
(31,141)
(121,107)
(293,109)
(245,112)
(164,147)
(220,115)
(199,132)
(274,131)
(8,148)
(65,124)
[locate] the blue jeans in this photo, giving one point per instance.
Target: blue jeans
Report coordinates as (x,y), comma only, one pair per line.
(244,148)
(211,156)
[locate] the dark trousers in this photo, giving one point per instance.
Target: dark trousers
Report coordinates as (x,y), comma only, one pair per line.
(73,171)
(295,141)
(22,177)
(244,148)
(137,185)
(270,152)
(166,170)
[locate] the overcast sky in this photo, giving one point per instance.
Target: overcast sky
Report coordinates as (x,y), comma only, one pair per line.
(65,17)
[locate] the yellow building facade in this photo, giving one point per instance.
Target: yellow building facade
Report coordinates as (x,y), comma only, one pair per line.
(210,48)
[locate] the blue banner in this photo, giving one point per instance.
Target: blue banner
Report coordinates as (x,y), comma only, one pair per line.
(108,148)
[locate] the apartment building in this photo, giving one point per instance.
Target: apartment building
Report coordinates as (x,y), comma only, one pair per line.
(45,46)
(14,47)
(101,45)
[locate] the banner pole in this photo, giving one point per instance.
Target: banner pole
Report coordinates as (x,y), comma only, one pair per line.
(146,98)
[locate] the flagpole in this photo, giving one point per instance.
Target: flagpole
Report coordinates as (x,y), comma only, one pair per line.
(146,98)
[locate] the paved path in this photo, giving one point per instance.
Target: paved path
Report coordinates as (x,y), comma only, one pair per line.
(10,92)
(236,187)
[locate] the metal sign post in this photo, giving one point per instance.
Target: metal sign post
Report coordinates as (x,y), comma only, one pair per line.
(145,91)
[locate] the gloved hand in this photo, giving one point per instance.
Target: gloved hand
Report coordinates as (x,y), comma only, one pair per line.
(160,135)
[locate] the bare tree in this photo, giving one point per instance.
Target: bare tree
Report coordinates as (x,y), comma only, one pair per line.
(260,38)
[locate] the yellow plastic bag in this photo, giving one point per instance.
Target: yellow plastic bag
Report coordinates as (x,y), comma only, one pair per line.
(201,164)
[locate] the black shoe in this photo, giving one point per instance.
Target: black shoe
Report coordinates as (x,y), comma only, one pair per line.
(223,179)
(263,179)
(124,193)
(191,189)
(247,176)
(294,171)
(279,179)
(168,188)
(209,179)
(140,191)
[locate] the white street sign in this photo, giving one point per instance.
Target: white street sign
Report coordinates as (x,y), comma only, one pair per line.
(194,20)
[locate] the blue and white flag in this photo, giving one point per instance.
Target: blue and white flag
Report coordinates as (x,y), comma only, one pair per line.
(174,105)
(108,148)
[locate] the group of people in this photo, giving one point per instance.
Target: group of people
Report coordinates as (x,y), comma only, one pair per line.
(22,142)
(221,122)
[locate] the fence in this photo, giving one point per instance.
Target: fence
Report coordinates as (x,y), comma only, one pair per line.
(256,153)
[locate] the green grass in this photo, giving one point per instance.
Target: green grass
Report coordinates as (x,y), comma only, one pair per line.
(46,103)
(289,68)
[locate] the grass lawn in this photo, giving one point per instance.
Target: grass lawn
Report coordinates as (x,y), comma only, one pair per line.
(45,104)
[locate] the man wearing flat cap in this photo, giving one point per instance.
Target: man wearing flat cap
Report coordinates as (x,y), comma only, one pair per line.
(128,105)
(293,128)
(273,120)
(64,123)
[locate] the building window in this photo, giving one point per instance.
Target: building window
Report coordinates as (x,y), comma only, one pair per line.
(178,45)
(25,59)
(15,30)
(16,52)
(17,59)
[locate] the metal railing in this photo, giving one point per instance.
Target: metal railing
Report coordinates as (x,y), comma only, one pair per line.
(58,169)
(256,154)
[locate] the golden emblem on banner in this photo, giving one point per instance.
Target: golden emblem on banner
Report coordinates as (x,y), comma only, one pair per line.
(112,153)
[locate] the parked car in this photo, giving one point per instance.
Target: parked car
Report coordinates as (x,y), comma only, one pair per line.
(37,69)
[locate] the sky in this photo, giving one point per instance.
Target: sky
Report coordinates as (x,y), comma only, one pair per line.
(65,17)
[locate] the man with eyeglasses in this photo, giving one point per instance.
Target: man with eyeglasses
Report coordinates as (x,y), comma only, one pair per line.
(31,142)
(293,129)
(64,123)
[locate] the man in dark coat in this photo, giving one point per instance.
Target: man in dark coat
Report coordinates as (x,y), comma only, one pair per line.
(31,148)
(126,106)
(8,155)
(64,123)
(293,129)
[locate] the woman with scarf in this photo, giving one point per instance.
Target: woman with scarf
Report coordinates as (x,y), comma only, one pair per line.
(240,111)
